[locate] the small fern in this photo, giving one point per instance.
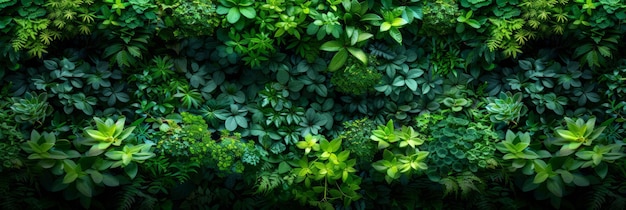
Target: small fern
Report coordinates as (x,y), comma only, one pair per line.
(597,196)
(464,183)
(267,182)
(126,197)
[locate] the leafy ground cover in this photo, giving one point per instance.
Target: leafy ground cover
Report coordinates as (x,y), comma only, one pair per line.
(336,104)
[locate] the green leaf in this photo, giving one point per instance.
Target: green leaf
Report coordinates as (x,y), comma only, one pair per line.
(371,17)
(602,170)
(4,21)
(96,176)
(283,167)
(97,135)
(131,170)
(335,144)
(393,172)
(411,83)
(379,166)
(396,35)
(473,23)
(231,123)
(364,36)
(110,180)
(555,187)
(338,60)
(567,135)
(332,46)
(233,15)
(84,187)
(358,53)
(385,26)
(567,176)
(540,177)
(248,12)
(398,22)
(282,76)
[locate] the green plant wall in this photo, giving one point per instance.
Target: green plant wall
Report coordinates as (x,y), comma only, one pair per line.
(335,104)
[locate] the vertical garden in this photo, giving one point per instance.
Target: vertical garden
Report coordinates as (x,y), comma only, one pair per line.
(313,104)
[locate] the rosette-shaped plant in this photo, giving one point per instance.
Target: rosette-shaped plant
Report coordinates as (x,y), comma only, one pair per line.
(507,108)
(108,133)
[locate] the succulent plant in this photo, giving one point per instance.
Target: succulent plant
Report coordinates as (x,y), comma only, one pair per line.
(32,108)
(507,107)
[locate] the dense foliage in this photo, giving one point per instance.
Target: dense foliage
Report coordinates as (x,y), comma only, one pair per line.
(336,104)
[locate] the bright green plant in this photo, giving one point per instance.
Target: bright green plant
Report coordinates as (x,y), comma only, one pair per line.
(515,147)
(401,155)
(346,45)
(107,133)
(327,174)
(234,9)
(83,173)
(129,156)
(391,20)
(324,24)
(600,153)
(577,133)
(467,19)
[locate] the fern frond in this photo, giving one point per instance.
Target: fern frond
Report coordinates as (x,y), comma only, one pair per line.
(37,49)
(543,15)
(149,203)
(534,23)
(468,183)
(511,49)
(521,38)
(84,29)
(87,17)
(126,197)
(561,17)
(597,196)
(18,43)
(450,186)
(493,44)
(58,23)
(69,14)
(484,203)
(46,37)
(267,182)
